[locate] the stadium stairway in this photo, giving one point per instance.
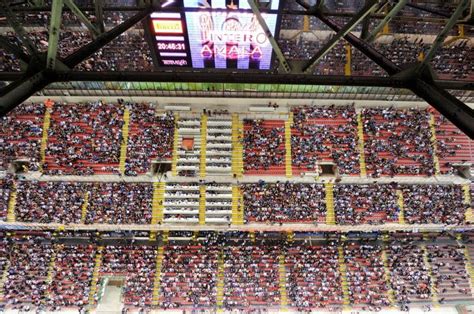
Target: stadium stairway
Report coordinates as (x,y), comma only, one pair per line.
(220,282)
(95,276)
(237,206)
(158,202)
(288,161)
(360,134)
(237,148)
(202,205)
(174,160)
(390,293)
(156,284)
(467,201)
(123,145)
(12,204)
(344,283)
(44,137)
(434,291)
(400,202)
(330,214)
(282,273)
(434,144)
(85,205)
(50,275)
(202,165)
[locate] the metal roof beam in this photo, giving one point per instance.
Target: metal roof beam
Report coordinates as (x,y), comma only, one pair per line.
(14,49)
(54,30)
(397,8)
(80,15)
(99,15)
(445,31)
(366,10)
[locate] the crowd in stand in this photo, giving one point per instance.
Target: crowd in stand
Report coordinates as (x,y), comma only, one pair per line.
(20,135)
(5,188)
(263,144)
(362,204)
(312,276)
(325,134)
(118,203)
(150,137)
(50,202)
(137,264)
(48,276)
(84,139)
(283,202)
(188,276)
(436,204)
(397,142)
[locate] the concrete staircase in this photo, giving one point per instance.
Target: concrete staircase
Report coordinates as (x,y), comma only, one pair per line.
(156,284)
(44,137)
(123,146)
(288,159)
(95,276)
(330,214)
(11,204)
(237,148)
(360,134)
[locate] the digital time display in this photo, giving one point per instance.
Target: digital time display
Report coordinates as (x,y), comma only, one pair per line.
(221,34)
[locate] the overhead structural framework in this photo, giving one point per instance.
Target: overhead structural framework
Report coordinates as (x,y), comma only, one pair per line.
(84,20)
(448,105)
(54,29)
(390,15)
(18,91)
(371,4)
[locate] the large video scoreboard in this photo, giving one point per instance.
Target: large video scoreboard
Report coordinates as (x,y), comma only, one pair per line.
(220,34)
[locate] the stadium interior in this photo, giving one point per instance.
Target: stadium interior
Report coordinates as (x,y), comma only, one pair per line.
(236,156)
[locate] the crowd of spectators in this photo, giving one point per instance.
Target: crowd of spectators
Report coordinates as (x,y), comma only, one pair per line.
(452,145)
(84,139)
(251,276)
(366,275)
(137,264)
(434,204)
(5,188)
(397,142)
(313,276)
(284,202)
(264,146)
(128,52)
(45,275)
(365,204)
(50,202)
(150,138)
(188,276)
(410,280)
(20,135)
(118,203)
(73,268)
(325,134)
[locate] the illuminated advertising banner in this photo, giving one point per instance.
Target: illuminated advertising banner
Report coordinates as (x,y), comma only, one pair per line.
(221,34)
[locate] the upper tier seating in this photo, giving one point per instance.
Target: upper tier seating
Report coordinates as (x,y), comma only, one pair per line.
(20,135)
(150,138)
(397,142)
(84,139)
(321,134)
(264,147)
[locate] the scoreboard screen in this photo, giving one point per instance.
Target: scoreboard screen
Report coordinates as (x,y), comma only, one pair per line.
(220,34)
